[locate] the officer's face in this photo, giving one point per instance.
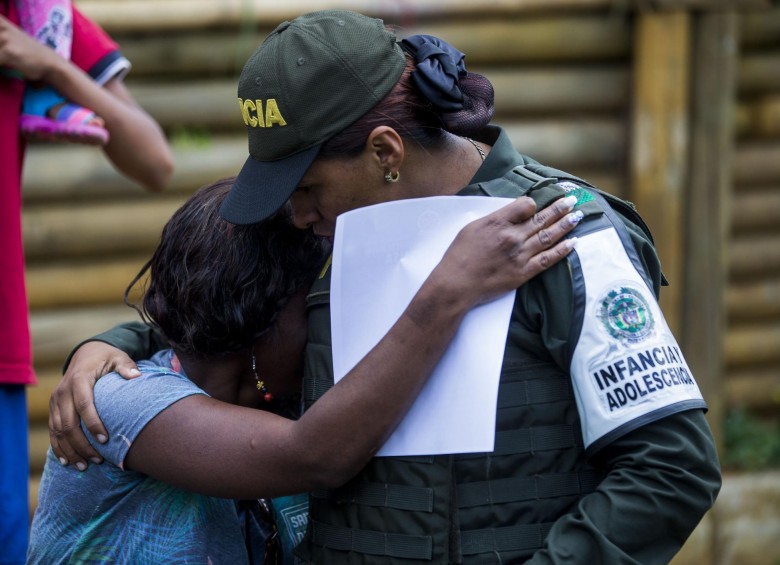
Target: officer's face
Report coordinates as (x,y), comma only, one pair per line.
(333,186)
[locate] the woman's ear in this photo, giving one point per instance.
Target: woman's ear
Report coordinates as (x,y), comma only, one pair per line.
(385,146)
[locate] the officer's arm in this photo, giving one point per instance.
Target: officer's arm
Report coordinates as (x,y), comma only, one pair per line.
(72,399)
(660,478)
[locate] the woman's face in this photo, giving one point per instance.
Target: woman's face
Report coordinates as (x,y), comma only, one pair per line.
(333,186)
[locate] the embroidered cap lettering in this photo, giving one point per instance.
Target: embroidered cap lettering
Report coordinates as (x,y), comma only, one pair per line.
(252,112)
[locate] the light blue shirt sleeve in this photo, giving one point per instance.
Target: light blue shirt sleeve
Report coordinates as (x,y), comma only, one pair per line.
(126,406)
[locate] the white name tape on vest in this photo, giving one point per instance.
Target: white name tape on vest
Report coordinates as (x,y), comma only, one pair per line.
(627,367)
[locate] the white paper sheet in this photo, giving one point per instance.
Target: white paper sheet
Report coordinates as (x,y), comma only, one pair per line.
(382,255)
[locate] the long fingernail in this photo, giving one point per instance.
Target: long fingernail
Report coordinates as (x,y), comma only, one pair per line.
(570,201)
(96,460)
(134,372)
(575,217)
(81,466)
(63,462)
(101,438)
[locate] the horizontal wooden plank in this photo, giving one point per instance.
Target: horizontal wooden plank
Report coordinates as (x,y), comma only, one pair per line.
(760,28)
(568,143)
(759,118)
(754,256)
(534,91)
(76,173)
(755,211)
(70,230)
(38,396)
(755,388)
(754,344)
(754,300)
(98,281)
(142,15)
(759,72)
(578,38)
(757,163)
(56,332)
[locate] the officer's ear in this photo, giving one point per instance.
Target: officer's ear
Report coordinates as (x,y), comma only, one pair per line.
(386,148)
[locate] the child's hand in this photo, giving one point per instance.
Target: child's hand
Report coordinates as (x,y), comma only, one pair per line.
(23,53)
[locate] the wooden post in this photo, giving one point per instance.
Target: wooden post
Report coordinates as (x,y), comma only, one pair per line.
(709,189)
(659,149)
(713,103)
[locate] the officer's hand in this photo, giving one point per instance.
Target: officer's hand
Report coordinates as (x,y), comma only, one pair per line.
(72,401)
(505,249)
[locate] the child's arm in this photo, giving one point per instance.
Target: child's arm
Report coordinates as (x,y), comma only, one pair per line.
(137,146)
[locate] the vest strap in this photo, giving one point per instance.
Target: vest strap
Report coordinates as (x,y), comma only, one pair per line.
(544,438)
(501,491)
(535,391)
(531,440)
(511,538)
(538,180)
(371,542)
(401,497)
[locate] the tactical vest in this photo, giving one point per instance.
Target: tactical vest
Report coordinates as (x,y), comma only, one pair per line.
(493,507)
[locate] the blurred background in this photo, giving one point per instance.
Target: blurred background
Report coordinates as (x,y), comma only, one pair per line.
(671,104)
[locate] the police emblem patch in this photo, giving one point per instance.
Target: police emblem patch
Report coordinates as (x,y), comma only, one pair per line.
(572,189)
(625,315)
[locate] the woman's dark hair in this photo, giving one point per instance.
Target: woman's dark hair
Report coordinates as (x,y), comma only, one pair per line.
(414,117)
(214,287)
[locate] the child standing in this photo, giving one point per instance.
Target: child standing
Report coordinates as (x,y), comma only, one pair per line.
(91,77)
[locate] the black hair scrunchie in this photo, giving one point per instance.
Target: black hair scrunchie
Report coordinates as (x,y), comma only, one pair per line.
(439,69)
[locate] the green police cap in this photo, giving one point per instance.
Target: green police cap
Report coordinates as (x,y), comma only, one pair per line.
(310,79)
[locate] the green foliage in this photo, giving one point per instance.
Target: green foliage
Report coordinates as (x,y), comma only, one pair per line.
(190,138)
(751,444)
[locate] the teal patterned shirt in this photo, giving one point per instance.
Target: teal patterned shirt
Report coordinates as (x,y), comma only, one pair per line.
(109,515)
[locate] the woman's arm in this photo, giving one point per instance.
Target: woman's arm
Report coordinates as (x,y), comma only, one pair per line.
(137,146)
(220,449)
(523,242)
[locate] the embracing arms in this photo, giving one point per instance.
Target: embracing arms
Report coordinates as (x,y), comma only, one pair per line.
(247,450)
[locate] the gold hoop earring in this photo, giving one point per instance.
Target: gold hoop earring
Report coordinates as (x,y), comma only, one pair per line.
(390,178)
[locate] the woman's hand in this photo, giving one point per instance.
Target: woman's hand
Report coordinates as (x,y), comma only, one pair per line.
(505,249)
(72,401)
